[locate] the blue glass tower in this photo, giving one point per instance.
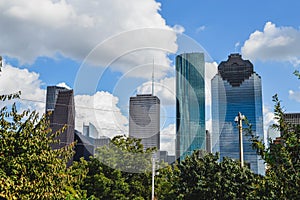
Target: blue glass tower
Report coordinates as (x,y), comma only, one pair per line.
(236,88)
(190,104)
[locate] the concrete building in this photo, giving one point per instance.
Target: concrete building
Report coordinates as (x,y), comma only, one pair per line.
(292,118)
(144,119)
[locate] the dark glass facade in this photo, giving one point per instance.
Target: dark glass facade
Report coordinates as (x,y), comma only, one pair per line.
(236,88)
(86,146)
(190,104)
(144,119)
(60,101)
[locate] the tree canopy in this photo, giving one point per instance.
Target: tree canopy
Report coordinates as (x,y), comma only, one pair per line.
(29,167)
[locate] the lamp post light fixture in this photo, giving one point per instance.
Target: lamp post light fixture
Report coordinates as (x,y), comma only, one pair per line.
(239,120)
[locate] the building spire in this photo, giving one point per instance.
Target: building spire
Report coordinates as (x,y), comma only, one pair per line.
(153,78)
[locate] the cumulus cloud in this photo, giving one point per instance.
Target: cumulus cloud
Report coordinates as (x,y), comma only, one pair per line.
(294,95)
(211,69)
(63,84)
(268,121)
(102,111)
(273,43)
(167,139)
(74,28)
(14,79)
(178,28)
(164,89)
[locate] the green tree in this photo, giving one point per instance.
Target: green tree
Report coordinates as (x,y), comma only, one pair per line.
(120,170)
(29,167)
(282,180)
(204,177)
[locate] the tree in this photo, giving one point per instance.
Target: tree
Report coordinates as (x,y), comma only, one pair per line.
(204,177)
(120,170)
(282,157)
(29,167)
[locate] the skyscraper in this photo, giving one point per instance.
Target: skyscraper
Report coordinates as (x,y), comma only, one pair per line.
(144,119)
(236,88)
(60,101)
(190,104)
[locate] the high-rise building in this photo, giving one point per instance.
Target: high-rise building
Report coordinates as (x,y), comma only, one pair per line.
(236,88)
(85,145)
(208,142)
(60,101)
(190,104)
(292,118)
(51,96)
(144,119)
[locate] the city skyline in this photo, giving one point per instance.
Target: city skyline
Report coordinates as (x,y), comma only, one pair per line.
(48,43)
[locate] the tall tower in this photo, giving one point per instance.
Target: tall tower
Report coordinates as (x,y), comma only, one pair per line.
(236,88)
(190,104)
(144,119)
(60,101)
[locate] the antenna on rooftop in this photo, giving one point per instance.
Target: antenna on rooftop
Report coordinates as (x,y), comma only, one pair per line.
(153,78)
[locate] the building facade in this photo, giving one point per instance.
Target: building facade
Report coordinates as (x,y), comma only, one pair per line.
(86,146)
(60,102)
(292,118)
(236,88)
(144,119)
(190,104)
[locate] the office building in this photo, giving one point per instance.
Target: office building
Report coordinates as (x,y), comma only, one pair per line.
(190,104)
(236,88)
(144,119)
(60,102)
(51,96)
(292,118)
(86,146)
(166,158)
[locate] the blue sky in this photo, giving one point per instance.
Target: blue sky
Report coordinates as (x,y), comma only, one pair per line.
(105,51)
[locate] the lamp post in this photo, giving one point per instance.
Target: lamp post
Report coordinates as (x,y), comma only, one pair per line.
(239,120)
(153,175)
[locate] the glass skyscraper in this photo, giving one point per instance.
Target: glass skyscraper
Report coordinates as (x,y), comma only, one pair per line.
(190,104)
(236,88)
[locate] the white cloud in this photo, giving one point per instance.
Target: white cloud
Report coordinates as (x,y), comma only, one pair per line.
(102,111)
(167,139)
(164,89)
(273,43)
(63,84)
(268,121)
(294,95)
(211,69)
(14,79)
(200,28)
(178,29)
(74,28)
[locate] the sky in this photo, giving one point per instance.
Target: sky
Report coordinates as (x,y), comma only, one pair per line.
(106,50)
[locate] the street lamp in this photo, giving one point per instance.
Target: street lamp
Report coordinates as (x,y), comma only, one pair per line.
(239,120)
